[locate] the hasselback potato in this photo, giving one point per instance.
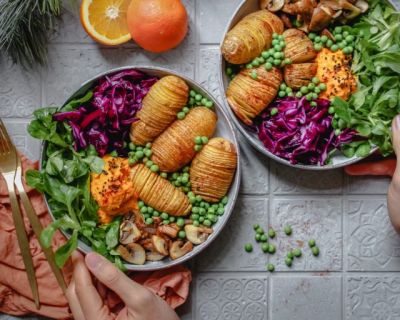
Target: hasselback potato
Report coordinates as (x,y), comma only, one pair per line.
(248,96)
(299,48)
(174,148)
(212,169)
(159,108)
(158,192)
(251,36)
(299,74)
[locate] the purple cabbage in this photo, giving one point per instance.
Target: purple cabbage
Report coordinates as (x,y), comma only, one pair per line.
(105,121)
(300,132)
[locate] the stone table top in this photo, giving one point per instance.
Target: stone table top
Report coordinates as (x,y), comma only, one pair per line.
(356,276)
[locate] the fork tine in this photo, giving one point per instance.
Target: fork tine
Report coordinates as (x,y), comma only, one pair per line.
(4,138)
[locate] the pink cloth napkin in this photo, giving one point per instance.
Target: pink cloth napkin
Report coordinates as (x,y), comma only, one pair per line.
(15,294)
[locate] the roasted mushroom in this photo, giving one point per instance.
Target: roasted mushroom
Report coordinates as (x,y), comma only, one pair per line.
(299,74)
(160,245)
(248,38)
(179,249)
(303,8)
(160,106)
(159,193)
(248,96)
(212,169)
(174,148)
(299,48)
(197,235)
(132,253)
(128,232)
(272,5)
(154,256)
(170,230)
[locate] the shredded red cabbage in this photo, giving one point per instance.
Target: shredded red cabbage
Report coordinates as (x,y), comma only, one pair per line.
(300,132)
(105,121)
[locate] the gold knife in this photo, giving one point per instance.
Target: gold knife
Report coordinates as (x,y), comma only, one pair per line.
(37,226)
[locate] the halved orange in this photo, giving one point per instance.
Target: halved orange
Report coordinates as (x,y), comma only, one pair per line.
(105,20)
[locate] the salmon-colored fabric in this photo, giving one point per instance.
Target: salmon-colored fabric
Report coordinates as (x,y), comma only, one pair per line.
(15,294)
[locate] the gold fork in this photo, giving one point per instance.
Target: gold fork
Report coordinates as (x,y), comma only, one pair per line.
(8,166)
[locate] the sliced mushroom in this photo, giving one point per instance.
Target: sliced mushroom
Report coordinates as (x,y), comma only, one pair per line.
(160,245)
(154,256)
(362,5)
(327,33)
(147,244)
(197,235)
(321,18)
(179,249)
(132,253)
(286,20)
(128,232)
(272,5)
(171,230)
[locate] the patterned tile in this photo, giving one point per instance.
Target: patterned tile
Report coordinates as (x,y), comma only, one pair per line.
(367,185)
(231,296)
(319,219)
(371,297)
(226,253)
(208,70)
(213,18)
(20,90)
(288,180)
(305,298)
(22,140)
(372,243)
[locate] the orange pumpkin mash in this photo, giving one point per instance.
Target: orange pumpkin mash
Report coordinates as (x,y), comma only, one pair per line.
(112,189)
(334,70)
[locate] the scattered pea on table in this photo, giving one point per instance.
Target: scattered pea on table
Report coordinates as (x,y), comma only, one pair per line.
(248,247)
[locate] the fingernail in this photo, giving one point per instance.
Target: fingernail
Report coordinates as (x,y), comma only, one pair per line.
(93,260)
(396,123)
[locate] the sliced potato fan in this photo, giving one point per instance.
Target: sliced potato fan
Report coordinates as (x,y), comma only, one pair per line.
(299,48)
(300,74)
(251,36)
(212,170)
(158,192)
(160,106)
(248,96)
(174,148)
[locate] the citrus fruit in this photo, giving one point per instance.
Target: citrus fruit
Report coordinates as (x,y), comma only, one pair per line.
(157,25)
(105,20)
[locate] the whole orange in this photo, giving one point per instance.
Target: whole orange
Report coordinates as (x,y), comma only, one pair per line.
(157,25)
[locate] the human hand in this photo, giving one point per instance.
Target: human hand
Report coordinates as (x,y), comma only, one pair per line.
(87,304)
(394,188)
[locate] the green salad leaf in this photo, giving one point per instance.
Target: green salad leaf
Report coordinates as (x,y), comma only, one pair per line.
(376,63)
(65,180)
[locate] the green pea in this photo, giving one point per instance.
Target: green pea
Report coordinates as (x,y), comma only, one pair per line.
(164,215)
(324,39)
(265,54)
(211,210)
(314,95)
(304,90)
(317,39)
(254,74)
(331,110)
(166,221)
(275,35)
(260,231)
(143,209)
(288,61)
(199,198)
(348,50)
(181,115)
(132,146)
(350,38)
(224,200)
(271,248)
(132,161)
(255,63)
(271,233)
(342,45)
(182,234)
(290,255)
(209,104)
(270,267)
(248,247)
(318,47)
(282,94)
(149,163)
(277,55)
(249,66)
(317,90)
(147,153)
(309,96)
(275,42)
(264,247)
(274,111)
(172,219)
(335,48)
(185,180)
(140,204)
(288,230)
(149,221)
(315,80)
(315,251)
(311,86)
(299,94)
(204,140)
(196,223)
(264,238)
(207,223)
(297,252)
(256,226)
(277,62)
(322,86)
(202,211)
(150,210)
(195,211)
(192,101)
(338,30)
(313,104)
(289,262)
(257,237)
(198,97)
(282,44)
(345,34)
(311,243)
(192,93)
(228,71)
(312,35)
(329,43)
(268,66)
(283,86)
(290,94)
(197,140)
(156,213)
(220,211)
(114,154)
(197,147)
(278,48)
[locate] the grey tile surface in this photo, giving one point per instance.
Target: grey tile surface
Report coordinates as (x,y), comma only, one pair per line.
(354,277)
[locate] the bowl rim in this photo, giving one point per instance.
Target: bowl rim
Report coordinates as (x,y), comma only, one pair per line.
(234,188)
(241,127)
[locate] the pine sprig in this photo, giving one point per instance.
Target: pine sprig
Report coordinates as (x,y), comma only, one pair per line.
(24,27)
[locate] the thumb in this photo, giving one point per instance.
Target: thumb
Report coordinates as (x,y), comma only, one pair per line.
(396,136)
(128,290)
